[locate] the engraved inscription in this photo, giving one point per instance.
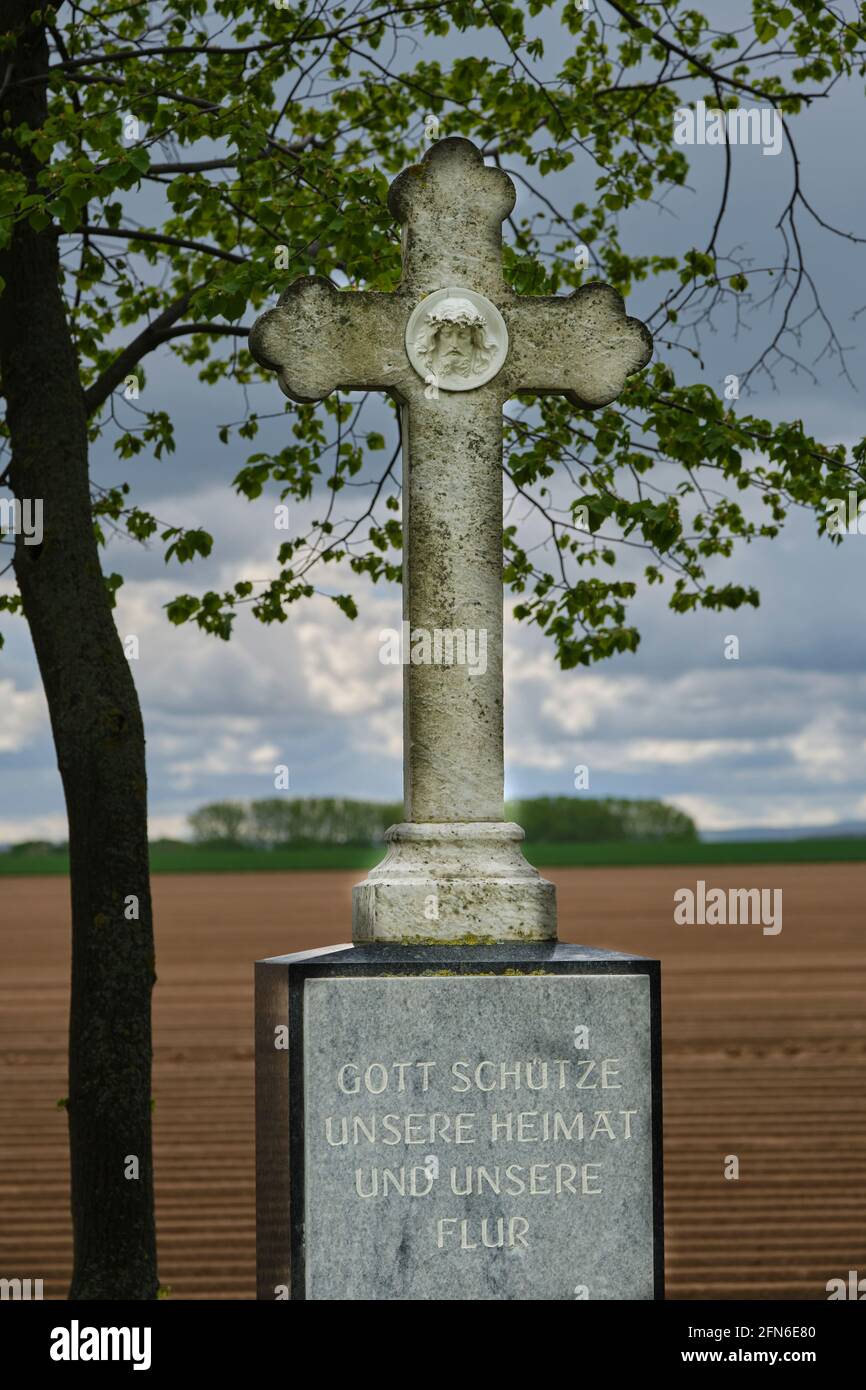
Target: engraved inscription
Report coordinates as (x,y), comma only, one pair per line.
(453,1148)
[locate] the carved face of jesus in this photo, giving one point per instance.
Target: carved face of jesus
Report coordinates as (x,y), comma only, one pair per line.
(452,355)
(454,343)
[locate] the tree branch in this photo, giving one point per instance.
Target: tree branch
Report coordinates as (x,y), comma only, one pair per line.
(160,331)
(194,166)
(206,51)
(238,330)
(162,240)
(146,341)
(707,69)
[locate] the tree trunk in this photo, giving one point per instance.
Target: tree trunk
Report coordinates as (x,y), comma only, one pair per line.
(99,738)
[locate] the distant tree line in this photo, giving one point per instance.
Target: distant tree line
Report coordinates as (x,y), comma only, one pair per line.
(277,820)
(329,820)
(555,819)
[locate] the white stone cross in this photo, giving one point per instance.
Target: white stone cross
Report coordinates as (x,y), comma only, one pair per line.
(451,345)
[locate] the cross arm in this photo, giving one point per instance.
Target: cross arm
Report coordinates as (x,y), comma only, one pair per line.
(582,346)
(318,338)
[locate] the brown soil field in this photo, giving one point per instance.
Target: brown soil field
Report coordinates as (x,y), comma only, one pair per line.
(764,1057)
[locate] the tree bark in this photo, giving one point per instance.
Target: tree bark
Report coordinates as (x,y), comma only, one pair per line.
(99,739)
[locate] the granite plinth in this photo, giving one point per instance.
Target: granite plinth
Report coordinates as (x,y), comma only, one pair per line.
(458,1123)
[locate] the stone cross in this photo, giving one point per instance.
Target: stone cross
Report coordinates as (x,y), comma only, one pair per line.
(452,344)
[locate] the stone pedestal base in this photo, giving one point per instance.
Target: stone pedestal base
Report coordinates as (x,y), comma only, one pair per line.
(464,883)
(446,1123)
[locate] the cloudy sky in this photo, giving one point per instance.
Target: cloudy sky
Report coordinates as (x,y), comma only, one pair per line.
(774,739)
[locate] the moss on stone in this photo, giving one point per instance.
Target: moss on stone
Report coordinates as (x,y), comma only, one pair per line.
(461,974)
(467,939)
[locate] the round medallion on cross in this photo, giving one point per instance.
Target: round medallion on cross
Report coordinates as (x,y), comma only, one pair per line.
(456,339)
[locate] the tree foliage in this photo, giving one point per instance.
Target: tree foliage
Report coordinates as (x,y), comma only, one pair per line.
(199,156)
